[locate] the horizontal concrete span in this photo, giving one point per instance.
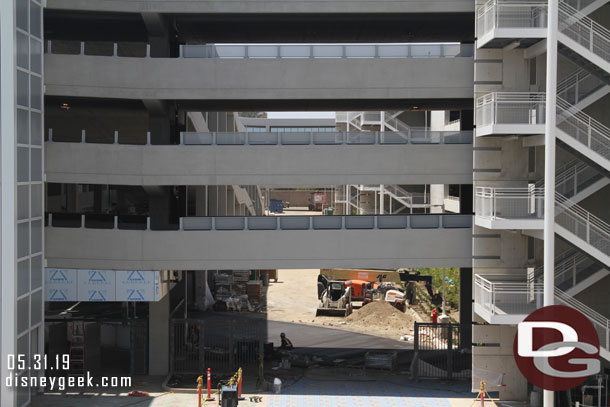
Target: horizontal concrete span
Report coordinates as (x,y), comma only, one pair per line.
(268,6)
(113,164)
(245,249)
(258,79)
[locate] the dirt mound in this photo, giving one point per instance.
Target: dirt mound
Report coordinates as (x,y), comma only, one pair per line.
(383,316)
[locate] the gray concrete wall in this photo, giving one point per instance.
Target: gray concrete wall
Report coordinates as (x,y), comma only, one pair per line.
(268,6)
(258,165)
(231,79)
(200,250)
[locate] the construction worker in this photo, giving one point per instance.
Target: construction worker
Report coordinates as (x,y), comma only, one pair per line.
(286,343)
(434,316)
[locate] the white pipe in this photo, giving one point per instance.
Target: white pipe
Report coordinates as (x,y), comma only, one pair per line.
(549,167)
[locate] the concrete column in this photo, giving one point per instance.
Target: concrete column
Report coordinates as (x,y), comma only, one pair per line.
(158,35)
(201,201)
(160,207)
(437,198)
(222,200)
(231,203)
(158,337)
(466,199)
(161,121)
(466,308)
(212,201)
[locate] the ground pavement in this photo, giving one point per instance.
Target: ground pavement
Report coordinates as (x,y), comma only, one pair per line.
(391,392)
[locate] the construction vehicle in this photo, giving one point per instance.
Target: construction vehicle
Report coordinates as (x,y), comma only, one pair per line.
(384,279)
(358,287)
(317,201)
(335,299)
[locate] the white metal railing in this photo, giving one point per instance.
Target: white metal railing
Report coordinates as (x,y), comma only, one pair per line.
(427,221)
(569,270)
(412,136)
(573,177)
(583,30)
(582,224)
(274,51)
(528,203)
(601,323)
(509,203)
(579,4)
(578,85)
(583,128)
(511,14)
(510,108)
(501,294)
(408,199)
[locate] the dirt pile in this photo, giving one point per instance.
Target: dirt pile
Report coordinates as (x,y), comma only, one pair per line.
(382,316)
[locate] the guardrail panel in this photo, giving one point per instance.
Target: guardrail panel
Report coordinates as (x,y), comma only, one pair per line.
(230,223)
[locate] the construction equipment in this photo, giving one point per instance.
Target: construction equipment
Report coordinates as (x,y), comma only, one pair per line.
(317,201)
(335,300)
(358,287)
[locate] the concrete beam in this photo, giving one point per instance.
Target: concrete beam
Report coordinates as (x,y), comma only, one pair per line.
(111,164)
(258,79)
(267,6)
(257,249)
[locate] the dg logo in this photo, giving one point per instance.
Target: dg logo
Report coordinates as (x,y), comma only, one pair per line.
(556,348)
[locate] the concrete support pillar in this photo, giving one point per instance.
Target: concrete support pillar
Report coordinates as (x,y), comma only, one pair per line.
(161,121)
(466,199)
(222,200)
(231,203)
(161,207)
(158,337)
(437,198)
(201,201)
(158,35)
(466,308)
(212,201)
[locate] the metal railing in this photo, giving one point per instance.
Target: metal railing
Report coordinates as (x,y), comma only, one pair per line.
(511,14)
(578,85)
(582,223)
(569,270)
(573,177)
(408,199)
(509,203)
(135,222)
(583,30)
(98,48)
(501,294)
(583,128)
(601,323)
(362,222)
(510,108)
(412,136)
(292,51)
(528,203)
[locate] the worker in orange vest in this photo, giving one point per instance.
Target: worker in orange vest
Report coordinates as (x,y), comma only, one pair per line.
(434,316)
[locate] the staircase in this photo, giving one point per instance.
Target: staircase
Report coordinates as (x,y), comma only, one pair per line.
(576,181)
(581,89)
(584,41)
(601,323)
(584,135)
(582,229)
(574,272)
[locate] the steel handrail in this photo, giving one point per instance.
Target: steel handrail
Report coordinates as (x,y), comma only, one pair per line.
(573,24)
